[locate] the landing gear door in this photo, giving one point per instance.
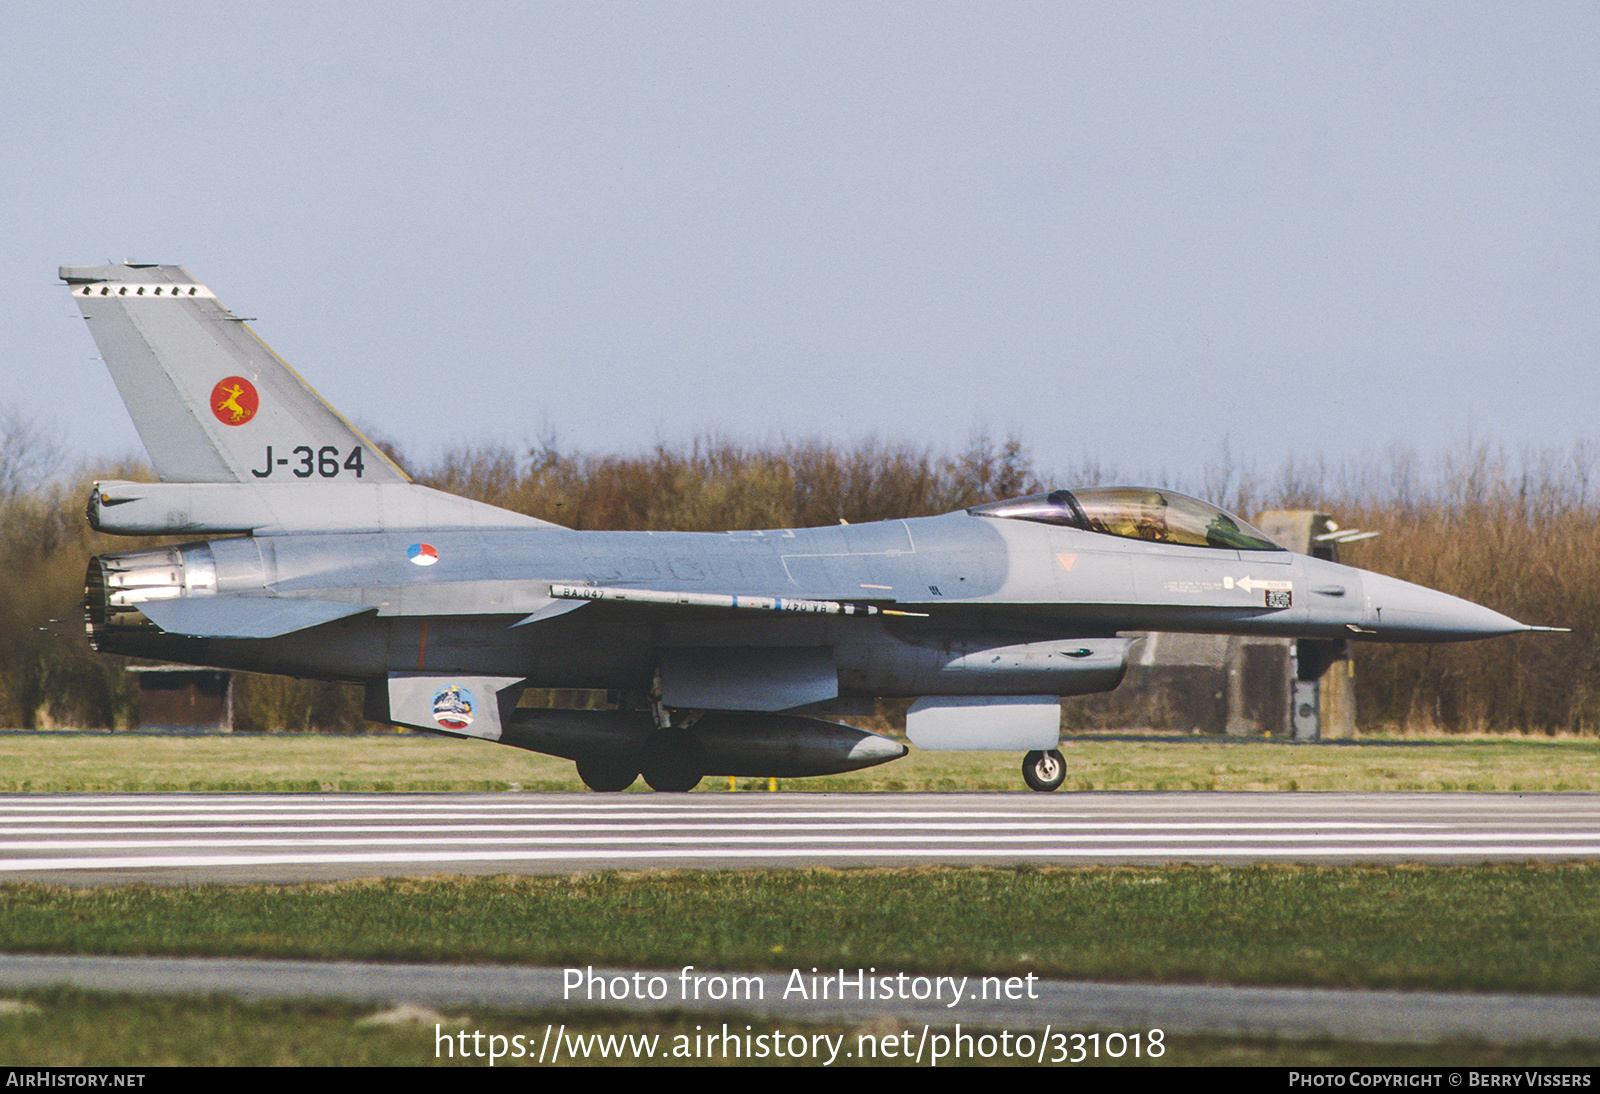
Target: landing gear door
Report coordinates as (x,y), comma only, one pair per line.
(995,723)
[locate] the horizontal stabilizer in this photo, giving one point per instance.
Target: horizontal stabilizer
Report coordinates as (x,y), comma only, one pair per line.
(243,616)
(179,509)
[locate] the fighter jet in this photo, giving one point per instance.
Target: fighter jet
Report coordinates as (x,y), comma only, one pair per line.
(315,556)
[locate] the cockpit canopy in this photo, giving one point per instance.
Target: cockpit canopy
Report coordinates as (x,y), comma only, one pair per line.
(1134,512)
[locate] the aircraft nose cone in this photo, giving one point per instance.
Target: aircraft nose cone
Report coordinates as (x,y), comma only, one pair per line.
(1402,612)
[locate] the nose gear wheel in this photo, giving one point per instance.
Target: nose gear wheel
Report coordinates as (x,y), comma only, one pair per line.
(1044,770)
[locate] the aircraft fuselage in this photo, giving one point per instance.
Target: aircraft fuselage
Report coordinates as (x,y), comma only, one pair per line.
(968,584)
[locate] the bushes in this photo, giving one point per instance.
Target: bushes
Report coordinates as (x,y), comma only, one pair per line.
(48,675)
(716,485)
(1517,535)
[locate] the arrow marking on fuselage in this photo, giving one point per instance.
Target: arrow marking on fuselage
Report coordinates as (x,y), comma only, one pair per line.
(1250,585)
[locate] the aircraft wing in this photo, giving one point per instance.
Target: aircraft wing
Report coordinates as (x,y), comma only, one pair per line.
(567,597)
(243,616)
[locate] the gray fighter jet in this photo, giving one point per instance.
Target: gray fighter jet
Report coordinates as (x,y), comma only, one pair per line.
(315,556)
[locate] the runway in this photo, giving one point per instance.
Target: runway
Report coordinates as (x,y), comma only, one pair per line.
(92,839)
(1395,1017)
(188,839)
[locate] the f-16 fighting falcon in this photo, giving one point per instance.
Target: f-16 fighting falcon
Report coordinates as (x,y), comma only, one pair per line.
(315,556)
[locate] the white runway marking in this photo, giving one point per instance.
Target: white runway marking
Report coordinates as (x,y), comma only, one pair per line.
(240,837)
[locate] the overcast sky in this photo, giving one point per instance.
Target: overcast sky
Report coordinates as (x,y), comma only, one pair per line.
(1120,231)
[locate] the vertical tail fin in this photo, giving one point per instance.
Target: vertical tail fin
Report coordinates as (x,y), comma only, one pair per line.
(211,402)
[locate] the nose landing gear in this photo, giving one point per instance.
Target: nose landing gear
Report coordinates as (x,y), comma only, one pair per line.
(1044,770)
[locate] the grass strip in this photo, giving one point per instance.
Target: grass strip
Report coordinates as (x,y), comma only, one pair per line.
(70,762)
(1502,927)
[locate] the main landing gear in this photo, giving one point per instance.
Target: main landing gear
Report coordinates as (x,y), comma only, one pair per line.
(1044,770)
(672,761)
(607,774)
(672,758)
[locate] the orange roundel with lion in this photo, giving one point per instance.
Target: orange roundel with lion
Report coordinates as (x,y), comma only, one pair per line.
(234,401)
